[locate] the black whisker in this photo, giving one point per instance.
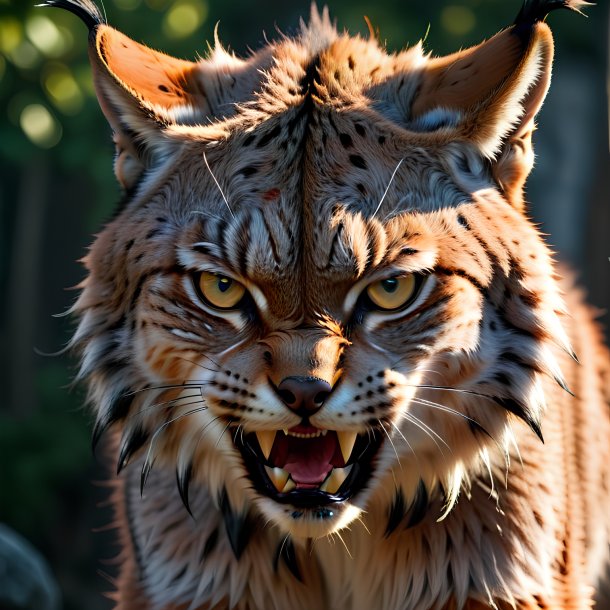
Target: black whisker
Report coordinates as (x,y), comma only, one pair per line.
(205,368)
(189,384)
(166,403)
(147,466)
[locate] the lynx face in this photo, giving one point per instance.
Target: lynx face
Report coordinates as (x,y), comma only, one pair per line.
(322,293)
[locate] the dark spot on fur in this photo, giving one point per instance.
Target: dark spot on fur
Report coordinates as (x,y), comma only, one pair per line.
(163,88)
(502,378)
(247,171)
(346,140)
(136,439)
(350,62)
(397,512)
(381,140)
(152,233)
(274,133)
(210,545)
(419,506)
(358,161)
(183,479)
(360,130)
(249,140)
(237,525)
(530,299)
(361,189)
(463,221)
(287,553)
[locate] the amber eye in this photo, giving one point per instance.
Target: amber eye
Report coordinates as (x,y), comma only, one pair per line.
(220,291)
(393,292)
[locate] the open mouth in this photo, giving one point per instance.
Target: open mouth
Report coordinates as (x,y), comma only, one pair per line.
(306,466)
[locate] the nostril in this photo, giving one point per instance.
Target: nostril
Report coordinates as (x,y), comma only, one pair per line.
(319,398)
(287,396)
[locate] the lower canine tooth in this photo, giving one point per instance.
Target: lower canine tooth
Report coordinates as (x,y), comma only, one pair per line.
(278,476)
(335,479)
(265,440)
(290,485)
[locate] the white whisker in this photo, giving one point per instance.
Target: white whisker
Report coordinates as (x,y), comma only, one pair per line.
(391,442)
(388,187)
(427,430)
(218,185)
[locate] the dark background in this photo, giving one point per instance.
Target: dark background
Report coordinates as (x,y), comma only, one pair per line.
(57,188)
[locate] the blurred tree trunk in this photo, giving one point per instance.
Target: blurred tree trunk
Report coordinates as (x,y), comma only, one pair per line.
(23,285)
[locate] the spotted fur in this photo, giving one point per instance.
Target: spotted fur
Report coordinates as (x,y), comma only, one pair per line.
(306,172)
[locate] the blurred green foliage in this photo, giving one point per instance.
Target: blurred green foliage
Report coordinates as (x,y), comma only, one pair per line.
(52,134)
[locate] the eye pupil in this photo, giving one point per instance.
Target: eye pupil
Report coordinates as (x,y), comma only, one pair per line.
(224,283)
(390,285)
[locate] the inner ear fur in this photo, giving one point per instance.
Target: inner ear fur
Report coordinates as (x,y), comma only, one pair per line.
(498,88)
(158,81)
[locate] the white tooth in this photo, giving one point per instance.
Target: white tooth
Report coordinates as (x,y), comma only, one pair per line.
(265,440)
(346,442)
(278,476)
(335,479)
(290,485)
(285,431)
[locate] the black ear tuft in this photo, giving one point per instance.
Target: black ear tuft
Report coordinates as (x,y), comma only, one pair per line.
(85,9)
(533,11)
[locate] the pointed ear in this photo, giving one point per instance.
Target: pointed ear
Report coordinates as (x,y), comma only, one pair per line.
(492,92)
(141,92)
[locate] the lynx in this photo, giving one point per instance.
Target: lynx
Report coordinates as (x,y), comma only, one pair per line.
(328,346)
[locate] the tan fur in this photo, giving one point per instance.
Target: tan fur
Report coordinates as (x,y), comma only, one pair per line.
(308,173)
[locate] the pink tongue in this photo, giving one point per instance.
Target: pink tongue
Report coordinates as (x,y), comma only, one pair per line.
(309,460)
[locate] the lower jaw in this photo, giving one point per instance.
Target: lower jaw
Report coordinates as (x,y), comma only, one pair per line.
(308,523)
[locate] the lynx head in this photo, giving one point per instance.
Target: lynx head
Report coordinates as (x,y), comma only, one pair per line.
(321,293)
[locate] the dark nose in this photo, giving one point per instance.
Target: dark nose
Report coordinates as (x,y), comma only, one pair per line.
(304,395)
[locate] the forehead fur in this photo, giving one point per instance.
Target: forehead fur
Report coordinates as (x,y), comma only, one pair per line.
(328,122)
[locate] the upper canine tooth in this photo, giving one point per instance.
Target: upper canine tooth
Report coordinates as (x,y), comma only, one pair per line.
(265,440)
(278,477)
(335,479)
(346,442)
